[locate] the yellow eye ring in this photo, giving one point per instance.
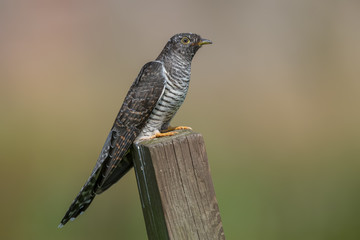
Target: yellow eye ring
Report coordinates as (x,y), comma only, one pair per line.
(185,40)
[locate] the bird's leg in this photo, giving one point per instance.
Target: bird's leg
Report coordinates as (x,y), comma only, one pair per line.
(169,129)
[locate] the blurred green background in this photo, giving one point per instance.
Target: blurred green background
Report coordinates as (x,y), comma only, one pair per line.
(276,97)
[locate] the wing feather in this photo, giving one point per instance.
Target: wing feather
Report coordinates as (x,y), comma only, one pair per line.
(136,109)
(114,160)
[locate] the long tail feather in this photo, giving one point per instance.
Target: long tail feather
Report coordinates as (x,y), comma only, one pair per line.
(82,200)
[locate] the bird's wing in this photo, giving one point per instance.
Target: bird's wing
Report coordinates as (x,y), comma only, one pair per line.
(136,109)
(112,163)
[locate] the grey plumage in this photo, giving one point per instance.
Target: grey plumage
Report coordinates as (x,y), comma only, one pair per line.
(151,103)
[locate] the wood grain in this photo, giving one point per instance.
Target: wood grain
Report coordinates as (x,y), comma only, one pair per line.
(176,189)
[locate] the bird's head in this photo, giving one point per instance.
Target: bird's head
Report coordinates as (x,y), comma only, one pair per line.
(185,45)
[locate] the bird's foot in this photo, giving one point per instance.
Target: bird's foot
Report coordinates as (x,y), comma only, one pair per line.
(170,131)
(177,128)
(165,134)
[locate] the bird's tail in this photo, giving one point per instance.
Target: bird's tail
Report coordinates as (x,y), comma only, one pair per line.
(91,188)
(82,200)
(109,168)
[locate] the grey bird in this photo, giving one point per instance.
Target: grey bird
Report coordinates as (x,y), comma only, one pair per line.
(151,103)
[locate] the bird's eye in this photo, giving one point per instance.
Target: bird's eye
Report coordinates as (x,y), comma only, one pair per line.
(185,40)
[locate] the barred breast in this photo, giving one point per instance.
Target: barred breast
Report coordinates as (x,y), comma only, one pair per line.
(176,87)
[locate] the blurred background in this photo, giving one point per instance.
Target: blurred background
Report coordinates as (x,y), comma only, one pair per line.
(276,98)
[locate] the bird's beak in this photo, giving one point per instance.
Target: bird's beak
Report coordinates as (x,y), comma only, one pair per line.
(203,42)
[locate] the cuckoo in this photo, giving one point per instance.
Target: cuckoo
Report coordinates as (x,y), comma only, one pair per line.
(150,104)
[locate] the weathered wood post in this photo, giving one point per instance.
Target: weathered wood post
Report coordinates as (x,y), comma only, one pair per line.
(176,190)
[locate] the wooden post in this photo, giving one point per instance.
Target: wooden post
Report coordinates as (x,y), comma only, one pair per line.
(176,190)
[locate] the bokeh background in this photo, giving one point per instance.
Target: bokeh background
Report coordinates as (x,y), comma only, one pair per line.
(276,97)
